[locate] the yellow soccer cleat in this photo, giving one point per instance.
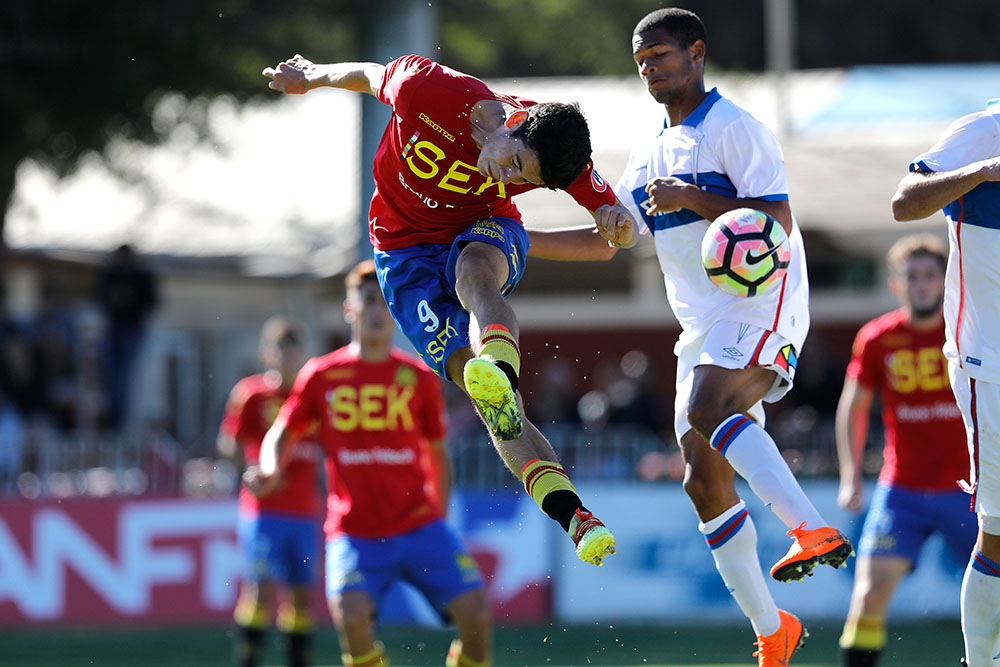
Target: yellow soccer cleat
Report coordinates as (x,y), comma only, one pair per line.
(592,538)
(490,388)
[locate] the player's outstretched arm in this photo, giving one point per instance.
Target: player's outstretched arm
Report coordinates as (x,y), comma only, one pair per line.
(299,75)
(921,193)
(613,228)
(570,244)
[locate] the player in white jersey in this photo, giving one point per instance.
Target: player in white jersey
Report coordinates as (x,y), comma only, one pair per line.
(733,353)
(961,174)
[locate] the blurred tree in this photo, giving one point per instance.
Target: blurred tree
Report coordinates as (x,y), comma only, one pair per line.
(81,72)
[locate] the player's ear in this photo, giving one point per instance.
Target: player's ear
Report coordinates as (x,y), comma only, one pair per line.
(895,283)
(516,120)
(348,311)
(697,51)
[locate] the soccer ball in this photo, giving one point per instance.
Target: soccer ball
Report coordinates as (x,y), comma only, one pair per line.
(745,252)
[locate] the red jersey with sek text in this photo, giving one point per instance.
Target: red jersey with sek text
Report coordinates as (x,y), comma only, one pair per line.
(428,189)
(925,447)
(251,409)
(376,420)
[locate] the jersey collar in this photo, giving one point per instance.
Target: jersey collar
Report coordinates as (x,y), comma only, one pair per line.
(695,117)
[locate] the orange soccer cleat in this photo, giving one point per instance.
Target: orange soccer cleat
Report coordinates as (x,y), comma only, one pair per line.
(810,548)
(777,649)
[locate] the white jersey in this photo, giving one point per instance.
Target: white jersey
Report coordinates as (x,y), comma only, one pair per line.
(723,149)
(972,283)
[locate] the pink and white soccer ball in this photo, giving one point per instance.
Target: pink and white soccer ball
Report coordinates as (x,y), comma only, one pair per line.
(745,252)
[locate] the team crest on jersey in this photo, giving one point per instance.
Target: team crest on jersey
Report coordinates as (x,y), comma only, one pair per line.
(405,376)
(787,359)
(600,185)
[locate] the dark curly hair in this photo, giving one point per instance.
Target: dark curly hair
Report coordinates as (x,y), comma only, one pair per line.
(682,25)
(558,133)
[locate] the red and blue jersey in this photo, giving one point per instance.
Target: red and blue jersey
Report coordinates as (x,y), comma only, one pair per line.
(427,186)
(925,448)
(252,407)
(376,421)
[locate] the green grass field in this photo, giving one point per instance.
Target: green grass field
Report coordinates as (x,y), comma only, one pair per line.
(926,644)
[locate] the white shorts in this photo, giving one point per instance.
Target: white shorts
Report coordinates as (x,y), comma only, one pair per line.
(733,345)
(980,405)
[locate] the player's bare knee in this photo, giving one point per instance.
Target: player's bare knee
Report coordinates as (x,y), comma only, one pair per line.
(699,489)
(705,412)
(352,613)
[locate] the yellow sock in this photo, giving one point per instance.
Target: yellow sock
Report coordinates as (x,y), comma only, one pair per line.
(294,620)
(374,658)
(251,615)
(866,633)
(543,477)
(458,659)
(497,344)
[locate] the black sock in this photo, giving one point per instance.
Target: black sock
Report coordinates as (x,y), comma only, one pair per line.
(562,506)
(508,370)
(297,644)
(247,647)
(859,657)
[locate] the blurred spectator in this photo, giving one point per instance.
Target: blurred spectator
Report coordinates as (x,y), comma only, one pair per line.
(11,443)
(127,293)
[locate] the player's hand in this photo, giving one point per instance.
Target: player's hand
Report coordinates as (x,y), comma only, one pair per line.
(258,483)
(991,169)
(666,194)
(851,495)
(295,76)
(615,225)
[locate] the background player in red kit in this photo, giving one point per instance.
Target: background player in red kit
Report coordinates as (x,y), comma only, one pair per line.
(278,533)
(381,430)
(899,357)
(450,244)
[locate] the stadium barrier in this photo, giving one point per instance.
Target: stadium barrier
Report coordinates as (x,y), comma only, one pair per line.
(145,561)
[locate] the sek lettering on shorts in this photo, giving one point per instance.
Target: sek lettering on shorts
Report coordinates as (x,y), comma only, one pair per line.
(436,347)
(372,407)
(924,369)
(426,163)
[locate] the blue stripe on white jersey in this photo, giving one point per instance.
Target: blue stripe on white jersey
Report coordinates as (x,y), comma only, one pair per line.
(980,206)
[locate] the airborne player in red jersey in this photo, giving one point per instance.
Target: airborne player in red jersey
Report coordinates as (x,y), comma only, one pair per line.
(381,430)
(450,244)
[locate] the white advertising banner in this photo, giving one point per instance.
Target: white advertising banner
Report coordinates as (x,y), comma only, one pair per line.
(664,570)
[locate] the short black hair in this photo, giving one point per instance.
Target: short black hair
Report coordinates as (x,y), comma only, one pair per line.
(558,133)
(681,24)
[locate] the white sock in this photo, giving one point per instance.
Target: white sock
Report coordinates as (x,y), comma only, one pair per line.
(753,454)
(733,541)
(981,611)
